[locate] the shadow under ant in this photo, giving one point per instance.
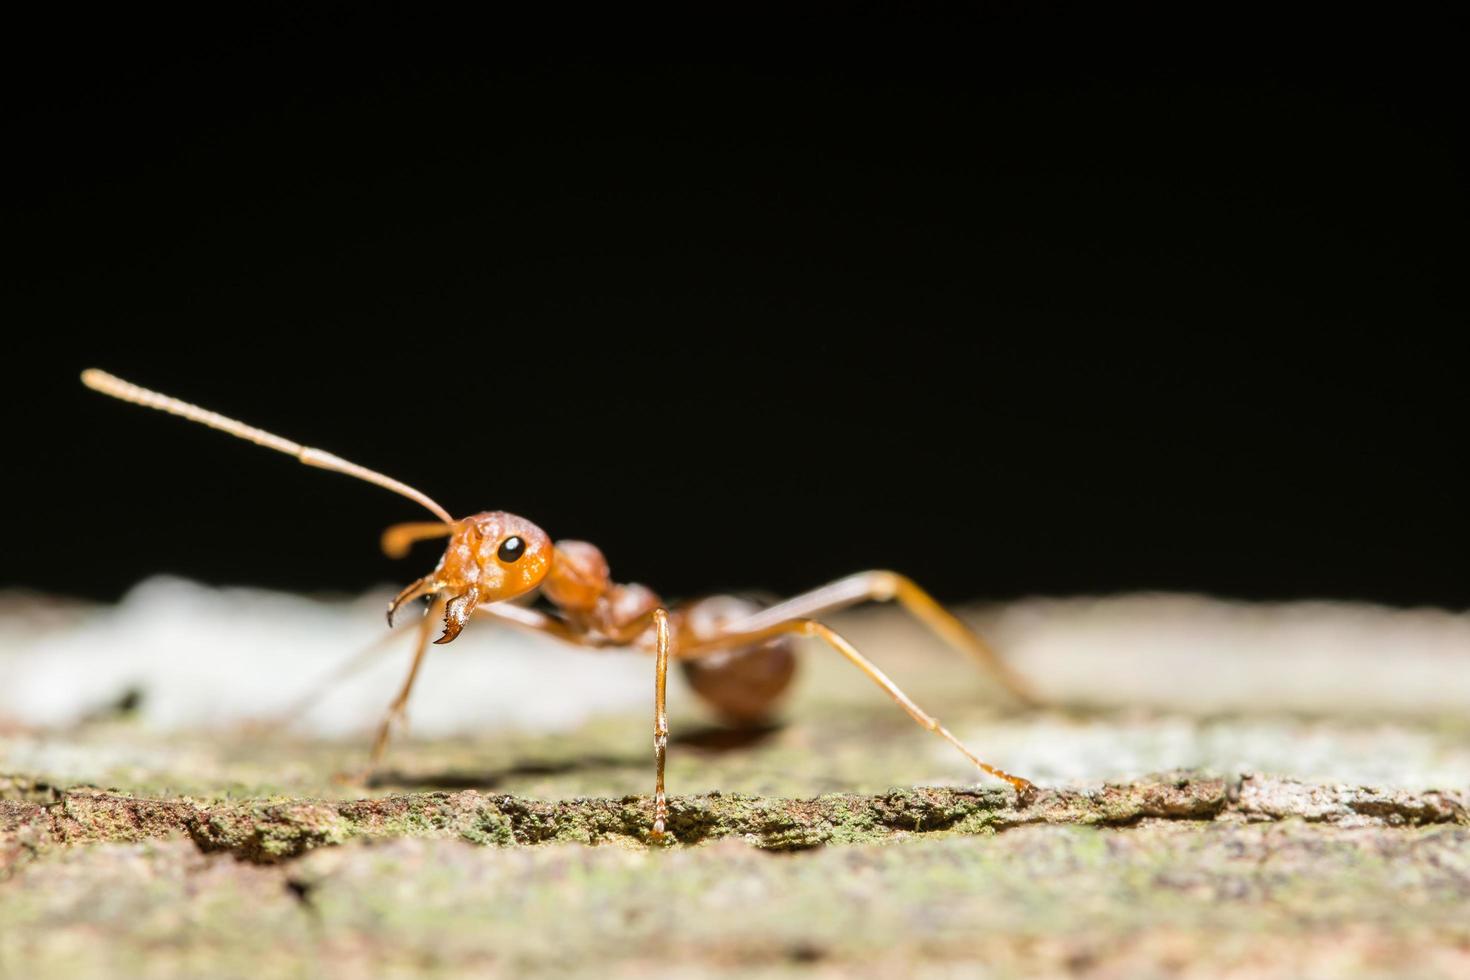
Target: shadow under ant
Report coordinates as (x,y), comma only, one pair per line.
(495,778)
(726,738)
(710,738)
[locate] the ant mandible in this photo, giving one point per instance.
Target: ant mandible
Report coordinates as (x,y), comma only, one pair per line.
(736,655)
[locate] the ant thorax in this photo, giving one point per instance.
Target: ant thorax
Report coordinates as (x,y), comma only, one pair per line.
(580,585)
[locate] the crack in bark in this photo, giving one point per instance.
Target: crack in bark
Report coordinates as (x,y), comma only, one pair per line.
(36,818)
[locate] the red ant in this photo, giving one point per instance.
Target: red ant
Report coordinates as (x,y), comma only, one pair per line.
(736,655)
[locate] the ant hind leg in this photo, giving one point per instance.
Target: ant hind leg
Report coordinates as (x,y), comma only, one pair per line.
(812,628)
(885,586)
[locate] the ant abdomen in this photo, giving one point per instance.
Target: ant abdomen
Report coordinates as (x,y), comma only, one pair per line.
(742,685)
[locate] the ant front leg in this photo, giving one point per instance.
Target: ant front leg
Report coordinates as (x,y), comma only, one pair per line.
(399,538)
(810,627)
(885,586)
(400,703)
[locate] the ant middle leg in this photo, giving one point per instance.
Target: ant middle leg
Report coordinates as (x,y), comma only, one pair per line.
(884,586)
(811,628)
(358,662)
(660,718)
(657,620)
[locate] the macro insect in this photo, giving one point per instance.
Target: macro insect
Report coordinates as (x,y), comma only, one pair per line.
(737,655)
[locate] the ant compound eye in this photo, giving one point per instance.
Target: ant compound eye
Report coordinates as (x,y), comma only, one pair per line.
(511,549)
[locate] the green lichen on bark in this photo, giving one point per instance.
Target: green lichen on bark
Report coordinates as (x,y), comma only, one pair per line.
(265,831)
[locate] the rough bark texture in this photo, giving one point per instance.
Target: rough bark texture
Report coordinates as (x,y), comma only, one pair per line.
(843,842)
(37,818)
(1170,877)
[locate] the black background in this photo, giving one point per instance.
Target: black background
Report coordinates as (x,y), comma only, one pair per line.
(1018,300)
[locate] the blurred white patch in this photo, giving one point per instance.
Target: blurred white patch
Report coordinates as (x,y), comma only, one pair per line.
(1054,751)
(1203,655)
(202,656)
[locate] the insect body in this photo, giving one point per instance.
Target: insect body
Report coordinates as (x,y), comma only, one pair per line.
(738,656)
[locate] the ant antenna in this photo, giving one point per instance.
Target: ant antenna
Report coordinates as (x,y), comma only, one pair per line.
(118,388)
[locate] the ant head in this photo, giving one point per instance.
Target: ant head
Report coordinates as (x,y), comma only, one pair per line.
(491,557)
(499,555)
(579,576)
